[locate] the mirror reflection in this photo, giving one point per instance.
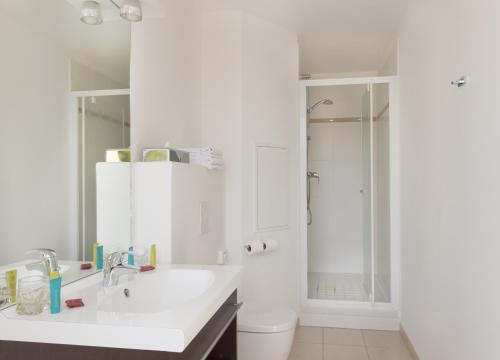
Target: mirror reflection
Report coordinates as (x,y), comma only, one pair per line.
(65,100)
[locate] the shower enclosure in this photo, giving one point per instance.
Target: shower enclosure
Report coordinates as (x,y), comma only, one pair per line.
(349,207)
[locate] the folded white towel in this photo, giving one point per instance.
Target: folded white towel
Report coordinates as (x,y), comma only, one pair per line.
(204,159)
(205,156)
(217,161)
(202,150)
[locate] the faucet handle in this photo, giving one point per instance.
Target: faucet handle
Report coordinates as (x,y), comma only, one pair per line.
(115,258)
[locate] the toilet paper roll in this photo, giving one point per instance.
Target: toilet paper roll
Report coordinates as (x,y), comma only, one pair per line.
(254,247)
(259,246)
(270,245)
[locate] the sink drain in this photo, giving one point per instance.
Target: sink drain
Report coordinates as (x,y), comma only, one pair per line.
(126,292)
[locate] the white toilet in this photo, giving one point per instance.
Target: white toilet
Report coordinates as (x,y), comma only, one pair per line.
(265,333)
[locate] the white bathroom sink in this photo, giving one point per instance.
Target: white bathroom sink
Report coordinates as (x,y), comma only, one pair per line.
(166,308)
(156,291)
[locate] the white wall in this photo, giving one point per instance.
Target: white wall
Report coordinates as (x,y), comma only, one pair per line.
(270,103)
(34,145)
(391,64)
(250,74)
(85,78)
(222,113)
(450,176)
(166,78)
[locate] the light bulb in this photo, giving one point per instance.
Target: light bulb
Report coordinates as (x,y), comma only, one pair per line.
(90,13)
(131,10)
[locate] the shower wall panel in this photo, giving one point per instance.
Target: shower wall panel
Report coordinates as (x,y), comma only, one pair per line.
(335,235)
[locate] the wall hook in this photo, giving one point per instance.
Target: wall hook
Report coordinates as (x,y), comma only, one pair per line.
(460,82)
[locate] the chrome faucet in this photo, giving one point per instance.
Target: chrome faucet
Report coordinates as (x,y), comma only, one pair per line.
(48,261)
(114,268)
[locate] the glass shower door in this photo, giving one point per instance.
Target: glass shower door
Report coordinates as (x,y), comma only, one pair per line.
(367,190)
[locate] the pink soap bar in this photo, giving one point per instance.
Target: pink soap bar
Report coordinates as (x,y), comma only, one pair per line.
(147,268)
(85,266)
(73,303)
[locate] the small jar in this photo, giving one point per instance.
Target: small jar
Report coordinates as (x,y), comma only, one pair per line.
(33,295)
(141,255)
(4,291)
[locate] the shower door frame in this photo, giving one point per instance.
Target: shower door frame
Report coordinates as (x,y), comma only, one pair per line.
(344,313)
(77,171)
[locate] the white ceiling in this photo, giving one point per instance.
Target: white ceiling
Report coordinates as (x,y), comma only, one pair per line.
(334,35)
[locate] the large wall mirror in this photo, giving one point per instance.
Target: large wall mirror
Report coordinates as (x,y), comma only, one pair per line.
(65,100)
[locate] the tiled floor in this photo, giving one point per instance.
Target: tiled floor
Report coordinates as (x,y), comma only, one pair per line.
(314,343)
(334,286)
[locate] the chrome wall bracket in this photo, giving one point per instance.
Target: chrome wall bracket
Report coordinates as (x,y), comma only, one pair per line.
(460,82)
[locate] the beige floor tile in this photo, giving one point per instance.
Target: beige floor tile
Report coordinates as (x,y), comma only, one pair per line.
(341,352)
(382,339)
(306,351)
(393,353)
(309,334)
(343,337)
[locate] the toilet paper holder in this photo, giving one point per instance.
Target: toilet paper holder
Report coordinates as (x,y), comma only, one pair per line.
(255,247)
(248,247)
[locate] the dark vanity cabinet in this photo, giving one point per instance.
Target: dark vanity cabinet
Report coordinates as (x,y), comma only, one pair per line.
(216,341)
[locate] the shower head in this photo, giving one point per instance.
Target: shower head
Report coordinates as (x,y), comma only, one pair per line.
(321,102)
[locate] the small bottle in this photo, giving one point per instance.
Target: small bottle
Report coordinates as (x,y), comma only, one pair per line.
(11,277)
(99,257)
(94,253)
(55,280)
(152,255)
(130,260)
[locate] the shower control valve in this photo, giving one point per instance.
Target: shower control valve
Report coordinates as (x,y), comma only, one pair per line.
(313,175)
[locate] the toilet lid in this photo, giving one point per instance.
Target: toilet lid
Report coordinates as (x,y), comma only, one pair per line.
(261,319)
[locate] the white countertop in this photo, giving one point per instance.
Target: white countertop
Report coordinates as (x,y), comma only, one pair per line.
(162,328)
